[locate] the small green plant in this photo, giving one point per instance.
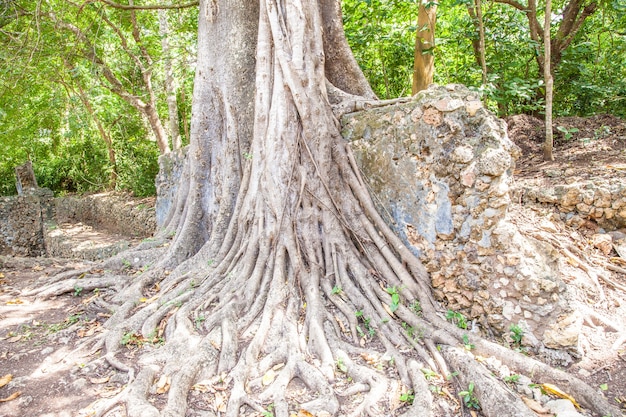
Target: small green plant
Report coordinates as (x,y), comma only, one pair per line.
(513,379)
(199,320)
(336,290)
(77,290)
(210,262)
(126,263)
(567,133)
(604,387)
(429,373)
(247,155)
(416,307)
(367,322)
(601,132)
(130,338)
(517,334)
(469,398)
(342,366)
(457,318)
(412,332)
(395,298)
(407,397)
(466,343)
(269,411)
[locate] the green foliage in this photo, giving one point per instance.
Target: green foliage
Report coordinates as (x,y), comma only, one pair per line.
(407,397)
(466,343)
(367,323)
(77,290)
(382,36)
(469,398)
(395,298)
(517,334)
(457,318)
(513,379)
(567,133)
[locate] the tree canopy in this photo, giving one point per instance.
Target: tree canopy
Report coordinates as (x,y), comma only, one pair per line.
(76,76)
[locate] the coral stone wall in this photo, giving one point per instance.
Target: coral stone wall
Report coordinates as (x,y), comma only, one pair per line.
(440,167)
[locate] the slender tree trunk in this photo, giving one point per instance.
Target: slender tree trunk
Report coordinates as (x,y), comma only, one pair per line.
(424,62)
(481,40)
(104,134)
(170,82)
(547,74)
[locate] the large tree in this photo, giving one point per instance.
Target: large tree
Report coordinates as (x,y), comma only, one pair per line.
(276,243)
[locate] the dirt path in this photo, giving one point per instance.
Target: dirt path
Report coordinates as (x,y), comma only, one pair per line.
(38,338)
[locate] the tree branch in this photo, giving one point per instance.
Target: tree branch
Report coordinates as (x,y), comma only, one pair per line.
(147,7)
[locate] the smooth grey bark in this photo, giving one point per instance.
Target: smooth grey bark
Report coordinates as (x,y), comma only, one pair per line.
(170,82)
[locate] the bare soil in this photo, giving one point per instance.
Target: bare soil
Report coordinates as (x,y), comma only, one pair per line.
(38,337)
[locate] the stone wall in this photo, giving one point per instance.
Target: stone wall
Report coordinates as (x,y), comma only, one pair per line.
(21,222)
(603,201)
(34,224)
(441,167)
(113,212)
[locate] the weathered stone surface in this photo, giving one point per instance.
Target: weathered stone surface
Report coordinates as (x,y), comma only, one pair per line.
(441,167)
(167,181)
(32,224)
(113,212)
(21,222)
(601,201)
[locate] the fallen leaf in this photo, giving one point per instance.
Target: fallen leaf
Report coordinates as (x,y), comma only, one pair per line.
(110,392)
(10,397)
(556,391)
(388,310)
(269,377)
(15,338)
(370,359)
(535,406)
(1,275)
(163,385)
(203,386)
(473,413)
(37,268)
(15,302)
(99,380)
(304,413)
(5,380)
(220,402)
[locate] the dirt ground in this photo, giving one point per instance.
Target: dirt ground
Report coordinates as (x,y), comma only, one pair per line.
(50,378)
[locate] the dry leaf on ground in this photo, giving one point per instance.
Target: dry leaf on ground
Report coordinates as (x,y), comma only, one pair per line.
(5,380)
(10,397)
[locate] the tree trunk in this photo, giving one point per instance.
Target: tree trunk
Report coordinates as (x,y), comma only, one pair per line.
(424,62)
(547,74)
(170,81)
(278,272)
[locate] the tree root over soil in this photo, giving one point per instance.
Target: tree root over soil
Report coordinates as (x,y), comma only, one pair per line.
(294,295)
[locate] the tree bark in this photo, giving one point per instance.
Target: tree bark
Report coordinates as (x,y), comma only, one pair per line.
(170,82)
(547,73)
(424,62)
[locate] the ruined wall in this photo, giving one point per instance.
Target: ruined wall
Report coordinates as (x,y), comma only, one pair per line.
(21,222)
(603,201)
(440,168)
(114,212)
(170,173)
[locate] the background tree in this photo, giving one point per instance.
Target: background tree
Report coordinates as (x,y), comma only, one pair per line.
(547,74)
(58,130)
(424,61)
